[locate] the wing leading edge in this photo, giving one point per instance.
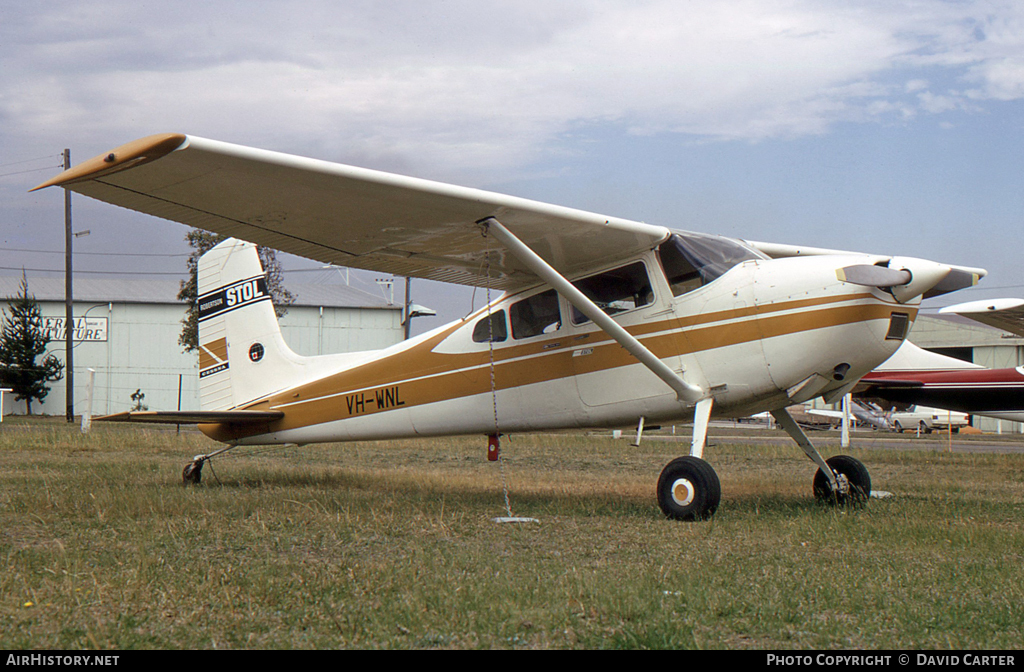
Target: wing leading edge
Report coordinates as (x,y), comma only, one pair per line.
(351,216)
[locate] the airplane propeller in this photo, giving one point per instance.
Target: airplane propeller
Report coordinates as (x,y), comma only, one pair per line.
(871,275)
(906,277)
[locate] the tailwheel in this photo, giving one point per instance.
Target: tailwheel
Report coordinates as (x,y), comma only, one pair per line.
(854,482)
(688,489)
(192,474)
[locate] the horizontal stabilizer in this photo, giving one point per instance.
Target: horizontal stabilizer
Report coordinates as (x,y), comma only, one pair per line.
(194,417)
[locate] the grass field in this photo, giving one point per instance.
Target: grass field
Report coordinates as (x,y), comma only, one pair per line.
(392,545)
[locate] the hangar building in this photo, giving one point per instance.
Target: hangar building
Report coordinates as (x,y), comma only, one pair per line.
(127,332)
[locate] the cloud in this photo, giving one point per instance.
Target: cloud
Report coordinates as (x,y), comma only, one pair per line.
(467,86)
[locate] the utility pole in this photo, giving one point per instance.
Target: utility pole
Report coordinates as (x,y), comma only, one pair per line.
(69,365)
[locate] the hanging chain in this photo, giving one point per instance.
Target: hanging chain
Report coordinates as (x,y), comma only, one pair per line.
(494,387)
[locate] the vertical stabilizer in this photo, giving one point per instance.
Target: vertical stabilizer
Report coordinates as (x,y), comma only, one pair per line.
(242,356)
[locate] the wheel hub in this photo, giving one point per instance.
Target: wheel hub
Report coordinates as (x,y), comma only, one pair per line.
(842,484)
(683,492)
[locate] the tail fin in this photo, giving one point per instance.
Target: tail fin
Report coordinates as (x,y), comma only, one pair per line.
(242,356)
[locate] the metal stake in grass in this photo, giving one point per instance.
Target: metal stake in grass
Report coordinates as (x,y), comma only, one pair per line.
(508,507)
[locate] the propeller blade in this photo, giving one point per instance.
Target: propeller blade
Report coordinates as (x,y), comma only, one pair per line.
(958,278)
(870,275)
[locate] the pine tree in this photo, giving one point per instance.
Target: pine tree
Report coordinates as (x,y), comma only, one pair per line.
(21,343)
(202,242)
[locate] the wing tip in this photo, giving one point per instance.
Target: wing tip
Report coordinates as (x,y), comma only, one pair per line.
(126,156)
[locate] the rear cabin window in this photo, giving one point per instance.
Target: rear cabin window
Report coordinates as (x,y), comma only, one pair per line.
(535,315)
(491,328)
(691,260)
(616,291)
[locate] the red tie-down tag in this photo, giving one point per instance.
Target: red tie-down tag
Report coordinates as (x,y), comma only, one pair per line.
(492,448)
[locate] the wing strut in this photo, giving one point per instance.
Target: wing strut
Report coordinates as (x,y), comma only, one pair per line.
(685,391)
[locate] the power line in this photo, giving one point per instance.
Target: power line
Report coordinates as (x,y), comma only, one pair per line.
(982,288)
(97,254)
(41,158)
(22,172)
(175,273)
(50,270)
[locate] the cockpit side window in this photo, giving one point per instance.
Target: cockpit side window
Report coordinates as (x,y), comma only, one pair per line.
(491,329)
(692,260)
(616,291)
(535,315)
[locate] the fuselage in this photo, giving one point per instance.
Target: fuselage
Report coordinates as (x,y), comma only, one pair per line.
(755,333)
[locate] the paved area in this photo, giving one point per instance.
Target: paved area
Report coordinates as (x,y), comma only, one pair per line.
(936,442)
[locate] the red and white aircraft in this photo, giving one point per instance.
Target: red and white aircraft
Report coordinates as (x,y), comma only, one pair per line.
(603,322)
(916,376)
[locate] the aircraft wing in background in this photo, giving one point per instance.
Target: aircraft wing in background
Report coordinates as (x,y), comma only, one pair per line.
(1005,314)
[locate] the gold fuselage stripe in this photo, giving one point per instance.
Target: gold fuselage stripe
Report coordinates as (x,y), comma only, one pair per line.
(420,376)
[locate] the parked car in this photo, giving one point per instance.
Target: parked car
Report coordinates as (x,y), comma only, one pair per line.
(923,419)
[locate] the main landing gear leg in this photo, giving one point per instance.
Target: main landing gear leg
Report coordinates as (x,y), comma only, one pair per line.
(839,480)
(688,488)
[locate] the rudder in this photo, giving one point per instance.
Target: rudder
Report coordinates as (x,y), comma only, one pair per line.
(242,355)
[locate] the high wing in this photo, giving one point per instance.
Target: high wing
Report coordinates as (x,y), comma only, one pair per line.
(351,216)
(1005,314)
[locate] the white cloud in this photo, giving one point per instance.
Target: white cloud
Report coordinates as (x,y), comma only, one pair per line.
(468,85)
(936,104)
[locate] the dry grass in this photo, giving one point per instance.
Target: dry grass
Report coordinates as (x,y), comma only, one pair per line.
(391,544)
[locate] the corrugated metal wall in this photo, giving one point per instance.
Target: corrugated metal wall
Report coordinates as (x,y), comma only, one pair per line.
(141,352)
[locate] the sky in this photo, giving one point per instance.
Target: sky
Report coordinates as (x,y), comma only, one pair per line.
(879,126)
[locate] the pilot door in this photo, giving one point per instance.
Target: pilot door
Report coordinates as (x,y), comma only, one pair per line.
(605,372)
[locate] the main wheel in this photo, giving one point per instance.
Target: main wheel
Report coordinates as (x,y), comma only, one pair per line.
(688,489)
(192,474)
(853,477)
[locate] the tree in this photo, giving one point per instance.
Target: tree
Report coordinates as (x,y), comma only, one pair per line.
(203,241)
(21,343)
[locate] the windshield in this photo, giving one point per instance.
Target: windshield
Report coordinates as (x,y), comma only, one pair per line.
(691,260)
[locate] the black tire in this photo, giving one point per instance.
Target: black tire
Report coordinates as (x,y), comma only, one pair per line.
(897,427)
(856,475)
(192,474)
(923,428)
(688,489)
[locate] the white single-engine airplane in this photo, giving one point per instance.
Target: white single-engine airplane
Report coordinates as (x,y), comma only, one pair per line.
(603,321)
